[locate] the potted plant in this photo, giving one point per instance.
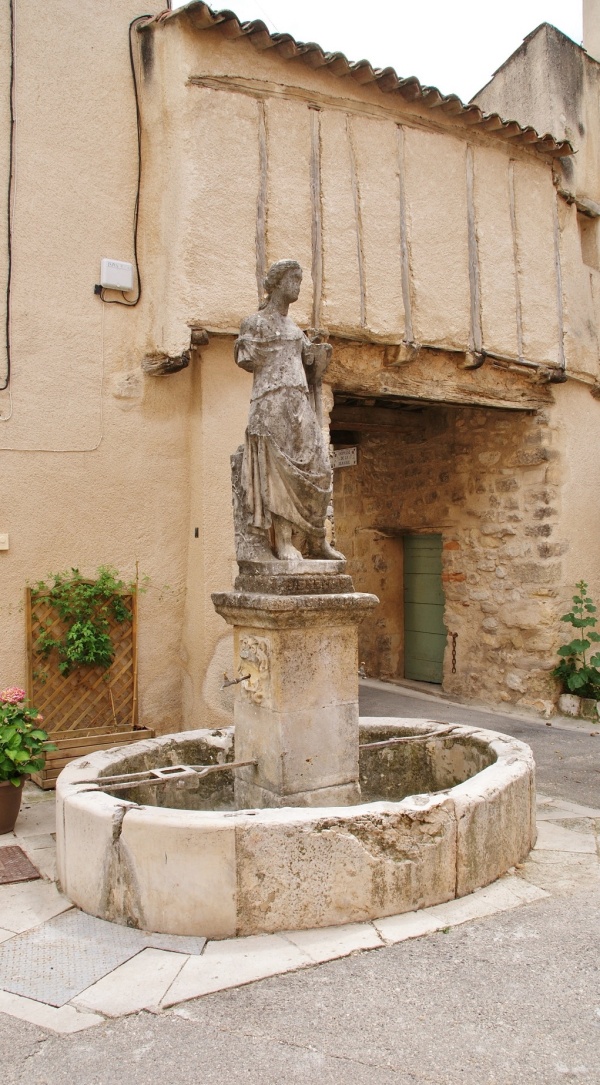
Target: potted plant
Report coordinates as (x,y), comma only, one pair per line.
(578,671)
(23,745)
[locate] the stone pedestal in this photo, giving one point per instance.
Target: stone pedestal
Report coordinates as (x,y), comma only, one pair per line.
(296,713)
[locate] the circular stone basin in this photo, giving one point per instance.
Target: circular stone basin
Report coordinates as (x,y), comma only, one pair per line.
(442,816)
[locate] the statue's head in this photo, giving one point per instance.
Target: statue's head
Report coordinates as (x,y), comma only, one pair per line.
(286,273)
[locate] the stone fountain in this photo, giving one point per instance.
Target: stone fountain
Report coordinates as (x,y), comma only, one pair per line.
(301,815)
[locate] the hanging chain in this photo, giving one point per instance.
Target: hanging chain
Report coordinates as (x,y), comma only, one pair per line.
(454,636)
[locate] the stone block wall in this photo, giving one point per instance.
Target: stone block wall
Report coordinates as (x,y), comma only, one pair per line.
(488,482)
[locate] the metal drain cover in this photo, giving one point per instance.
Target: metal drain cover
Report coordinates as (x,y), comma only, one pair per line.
(62,958)
(15,866)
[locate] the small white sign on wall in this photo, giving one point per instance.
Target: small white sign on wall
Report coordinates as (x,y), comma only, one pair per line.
(344,457)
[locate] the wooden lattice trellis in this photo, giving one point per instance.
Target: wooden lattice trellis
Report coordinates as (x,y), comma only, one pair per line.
(90,708)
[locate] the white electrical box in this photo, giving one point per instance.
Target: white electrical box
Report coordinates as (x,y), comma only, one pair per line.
(3,542)
(116,275)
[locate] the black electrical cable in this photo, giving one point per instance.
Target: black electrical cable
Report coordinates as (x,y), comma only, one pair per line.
(11,140)
(136,207)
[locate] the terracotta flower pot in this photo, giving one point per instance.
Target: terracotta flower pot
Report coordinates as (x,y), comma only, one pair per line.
(10,804)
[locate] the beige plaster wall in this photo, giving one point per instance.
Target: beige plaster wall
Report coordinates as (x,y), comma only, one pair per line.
(218,409)
(578,474)
(243,155)
(93,458)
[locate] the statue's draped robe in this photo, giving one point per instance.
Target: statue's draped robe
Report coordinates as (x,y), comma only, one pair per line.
(285,469)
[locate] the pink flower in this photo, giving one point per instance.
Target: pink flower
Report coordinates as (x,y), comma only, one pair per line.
(39,718)
(12,695)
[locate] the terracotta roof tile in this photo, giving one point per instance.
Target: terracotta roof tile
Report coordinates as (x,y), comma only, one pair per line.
(202,17)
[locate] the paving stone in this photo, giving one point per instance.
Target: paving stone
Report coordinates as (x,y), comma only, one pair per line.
(45,840)
(58,960)
(561,873)
(66,1019)
(503,895)
(44,859)
(233,962)
(140,983)
(37,819)
(176,943)
(328,943)
(553,837)
(562,810)
(28,904)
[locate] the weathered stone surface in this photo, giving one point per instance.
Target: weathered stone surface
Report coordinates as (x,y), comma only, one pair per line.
(495,813)
(296,712)
(297,567)
(297,750)
(250,543)
(289,584)
(452,472)
(217,874)
(314,871)
(91,823)
(272,612)
(284,479)
(568,704)
(251,796)
(300,577)
(393,772)
(187,857)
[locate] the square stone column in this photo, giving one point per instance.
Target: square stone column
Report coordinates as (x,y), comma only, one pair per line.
(296,714)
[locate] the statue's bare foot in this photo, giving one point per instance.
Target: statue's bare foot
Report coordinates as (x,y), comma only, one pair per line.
(322,548)
(284,548)
(288,552)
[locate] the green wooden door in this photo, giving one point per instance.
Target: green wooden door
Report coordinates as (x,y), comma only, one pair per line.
(424,630)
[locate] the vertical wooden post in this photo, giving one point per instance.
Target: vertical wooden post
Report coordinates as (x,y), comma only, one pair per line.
(316,215)
(261,201)
(474,280)
(513,223)
(359,224)
(404,252)
(29,636)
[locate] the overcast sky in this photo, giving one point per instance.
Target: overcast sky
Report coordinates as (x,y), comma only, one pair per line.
(455,45)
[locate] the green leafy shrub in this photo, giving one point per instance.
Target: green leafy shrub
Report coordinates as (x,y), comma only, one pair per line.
(86,608)
(23,743)
(578,673)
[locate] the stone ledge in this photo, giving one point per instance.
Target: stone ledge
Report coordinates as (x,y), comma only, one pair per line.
(292,611)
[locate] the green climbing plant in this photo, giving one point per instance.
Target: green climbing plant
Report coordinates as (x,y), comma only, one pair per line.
(87,607)
(578,671)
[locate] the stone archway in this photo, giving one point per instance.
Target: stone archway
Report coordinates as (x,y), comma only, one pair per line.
(480,478)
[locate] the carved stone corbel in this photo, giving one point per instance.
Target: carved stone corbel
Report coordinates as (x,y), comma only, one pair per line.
(199,338)
(397,354)
(161,365)
(549,375)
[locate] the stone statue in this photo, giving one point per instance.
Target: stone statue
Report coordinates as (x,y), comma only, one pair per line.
(285,480)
